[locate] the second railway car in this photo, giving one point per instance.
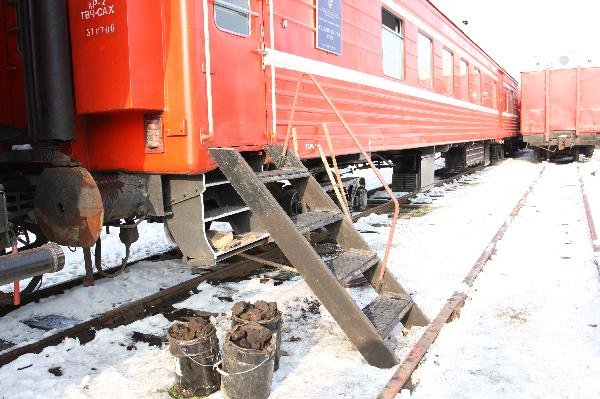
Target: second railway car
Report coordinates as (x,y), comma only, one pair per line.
(109,107)
(560,111)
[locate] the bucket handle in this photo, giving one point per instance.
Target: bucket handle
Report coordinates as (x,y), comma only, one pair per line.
(225,373)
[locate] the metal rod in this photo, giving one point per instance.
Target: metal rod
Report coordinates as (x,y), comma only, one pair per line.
(268,262)
(335,166)
(295,140)
(363,153)
(336,190)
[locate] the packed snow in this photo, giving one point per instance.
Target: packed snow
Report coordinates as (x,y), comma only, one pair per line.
(529,329)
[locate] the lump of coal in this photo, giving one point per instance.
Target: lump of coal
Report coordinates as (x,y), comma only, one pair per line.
(262,306)
(239,308)
(188,331)
(259,311)
(251,336)
(252,315)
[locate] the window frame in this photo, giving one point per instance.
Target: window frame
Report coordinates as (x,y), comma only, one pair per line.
(446,50)
(233,7)
(461,62)
(495,95)
(479,92)
(431,59)
(401,36)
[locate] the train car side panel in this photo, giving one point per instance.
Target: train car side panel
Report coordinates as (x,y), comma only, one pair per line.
(589,111)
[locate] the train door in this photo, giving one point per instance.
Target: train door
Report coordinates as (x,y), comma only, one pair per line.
(238,79)
(500,99)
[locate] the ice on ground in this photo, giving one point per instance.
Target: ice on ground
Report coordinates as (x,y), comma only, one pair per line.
(530,328)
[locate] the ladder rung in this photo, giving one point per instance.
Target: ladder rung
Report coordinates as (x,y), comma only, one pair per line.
(314,220)
(224,211)
(386,311)
(352,264)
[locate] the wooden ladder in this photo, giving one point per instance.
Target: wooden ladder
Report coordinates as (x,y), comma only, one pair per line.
(367,328)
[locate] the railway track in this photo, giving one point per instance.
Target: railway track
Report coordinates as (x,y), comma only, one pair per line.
(588,214)
(162,302)
(451,310)
(6,305)
(387,206)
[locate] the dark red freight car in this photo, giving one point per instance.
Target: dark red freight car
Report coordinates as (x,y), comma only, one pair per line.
(560,111)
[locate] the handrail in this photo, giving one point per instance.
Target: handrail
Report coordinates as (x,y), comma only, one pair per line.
(362,151)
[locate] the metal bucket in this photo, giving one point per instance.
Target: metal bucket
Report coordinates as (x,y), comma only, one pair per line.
(274,325)
(247,373)
(194,360)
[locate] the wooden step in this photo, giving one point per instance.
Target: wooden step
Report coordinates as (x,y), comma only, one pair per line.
(314,220)
(386,311)
(271,176)
(289,233)
(242,244)
(352,264)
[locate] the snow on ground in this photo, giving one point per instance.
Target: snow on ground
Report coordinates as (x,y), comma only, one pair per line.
(590,174)
(152,241)
(531,326)
(430,257)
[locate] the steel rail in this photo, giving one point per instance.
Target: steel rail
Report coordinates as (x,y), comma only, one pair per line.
(405,199)
(152,304)
(60,288)
(451,309)
(588,214)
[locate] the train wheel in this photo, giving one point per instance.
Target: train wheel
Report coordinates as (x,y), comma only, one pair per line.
(588,151)
(361,199)
(290,201)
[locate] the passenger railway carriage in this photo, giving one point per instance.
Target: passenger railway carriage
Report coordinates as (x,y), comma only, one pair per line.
(108,108)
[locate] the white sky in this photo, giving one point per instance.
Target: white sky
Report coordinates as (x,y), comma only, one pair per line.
(523,35)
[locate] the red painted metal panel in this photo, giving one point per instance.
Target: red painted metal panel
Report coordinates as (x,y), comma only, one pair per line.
(589,114)
(533,102)
(561,100)
(238,82)
(241,95)
(117,54)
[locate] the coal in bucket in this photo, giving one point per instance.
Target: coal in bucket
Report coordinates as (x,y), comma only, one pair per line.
(248,359)
(195,349)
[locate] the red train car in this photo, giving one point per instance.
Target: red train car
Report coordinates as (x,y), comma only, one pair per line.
(560,111)
(109,107)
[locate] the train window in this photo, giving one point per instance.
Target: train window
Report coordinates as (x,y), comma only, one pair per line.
(425,60)
(233,16)
(476,86)
(507,100)
(392,38)
(463,77)
(448,71)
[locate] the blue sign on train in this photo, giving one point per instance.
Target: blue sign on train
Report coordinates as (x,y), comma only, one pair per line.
(329,26)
